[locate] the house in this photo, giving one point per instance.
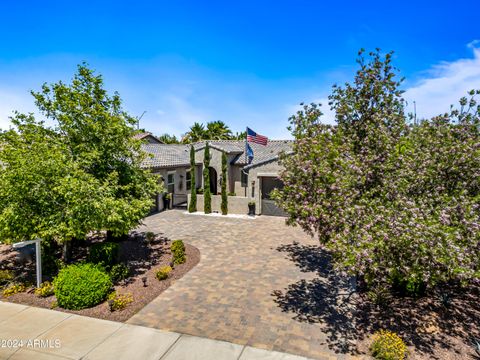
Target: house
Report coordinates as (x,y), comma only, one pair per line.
(246,182)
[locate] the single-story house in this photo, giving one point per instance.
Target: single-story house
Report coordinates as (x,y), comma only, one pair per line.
(246,182)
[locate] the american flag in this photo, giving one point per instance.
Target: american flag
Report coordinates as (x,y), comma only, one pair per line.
(252,136)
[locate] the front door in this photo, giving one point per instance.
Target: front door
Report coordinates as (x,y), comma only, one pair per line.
(213,180)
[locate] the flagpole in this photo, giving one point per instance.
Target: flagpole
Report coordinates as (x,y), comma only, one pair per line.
(246,145)
(246,158)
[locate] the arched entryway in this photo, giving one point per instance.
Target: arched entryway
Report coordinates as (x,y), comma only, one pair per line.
(213,180)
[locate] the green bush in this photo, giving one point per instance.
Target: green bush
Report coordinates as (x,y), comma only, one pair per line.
(178,251)
(207,196)
(387,345)
(118,302)
(45,289)
(224,204)
(81,286)
(119,272)
(105,254)
(6,276)
(163,273)
(150,236)
(192,206)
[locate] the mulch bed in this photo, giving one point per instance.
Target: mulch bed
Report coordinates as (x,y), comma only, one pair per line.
(142,257)
(431,329)
(442,325)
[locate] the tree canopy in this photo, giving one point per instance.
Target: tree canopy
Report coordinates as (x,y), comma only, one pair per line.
(81,173)
(396,203)
(214,130)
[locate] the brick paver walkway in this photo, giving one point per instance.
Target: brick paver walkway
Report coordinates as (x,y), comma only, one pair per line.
(228,295)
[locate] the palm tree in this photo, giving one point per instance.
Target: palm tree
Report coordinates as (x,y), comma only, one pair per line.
(196,133)
(239,135)
(168,139)
(218,130)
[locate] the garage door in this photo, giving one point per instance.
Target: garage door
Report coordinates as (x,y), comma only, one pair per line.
(268,205)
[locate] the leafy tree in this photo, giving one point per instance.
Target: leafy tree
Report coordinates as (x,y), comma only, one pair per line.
(396,205)
(168,139)
(207,198)
(224,205)
(43,191)
(84,173)
(192,207)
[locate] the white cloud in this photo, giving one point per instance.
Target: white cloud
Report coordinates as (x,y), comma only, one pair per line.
(444,84)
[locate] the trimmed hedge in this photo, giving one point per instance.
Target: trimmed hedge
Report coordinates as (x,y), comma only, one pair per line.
(178,251)
(80,286)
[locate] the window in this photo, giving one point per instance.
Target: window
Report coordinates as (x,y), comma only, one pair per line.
(171,183)
(244,179)
(189,180)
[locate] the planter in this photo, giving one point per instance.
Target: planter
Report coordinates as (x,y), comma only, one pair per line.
(251,209)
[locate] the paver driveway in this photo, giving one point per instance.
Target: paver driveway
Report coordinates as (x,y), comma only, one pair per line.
(228,295)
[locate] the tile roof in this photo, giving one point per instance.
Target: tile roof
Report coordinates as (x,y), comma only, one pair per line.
(147,135)
(229,146)
(262,154)
(170,155)
(166,155)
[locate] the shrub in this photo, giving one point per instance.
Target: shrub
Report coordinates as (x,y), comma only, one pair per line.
(387,345)
(6,276)
(178,251)
(163,273)
(119,272)
(45,289)
(81,286)
(14,289)
(207,196)
(51,261)
(224,204)
(379,295)
(150,236)
(192,207)
(118,302)
(105,254)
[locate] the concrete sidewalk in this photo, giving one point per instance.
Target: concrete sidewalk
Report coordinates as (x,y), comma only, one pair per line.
(34,333)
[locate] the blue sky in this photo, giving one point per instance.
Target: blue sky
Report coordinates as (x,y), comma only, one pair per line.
(244,62)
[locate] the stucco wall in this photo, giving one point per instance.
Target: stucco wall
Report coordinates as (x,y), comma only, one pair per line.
(180,177)
(216,163)
(272,168)
(236,204)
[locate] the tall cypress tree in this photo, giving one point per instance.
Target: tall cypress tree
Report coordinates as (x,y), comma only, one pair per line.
(224,205)
(207,197)
(192,207)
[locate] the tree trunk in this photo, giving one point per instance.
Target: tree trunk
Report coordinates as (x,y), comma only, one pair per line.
(67,251)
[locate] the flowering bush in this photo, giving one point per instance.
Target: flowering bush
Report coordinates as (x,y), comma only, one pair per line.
(387,345)
(163,272)
(45,289)
(118,302)
(397,204)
